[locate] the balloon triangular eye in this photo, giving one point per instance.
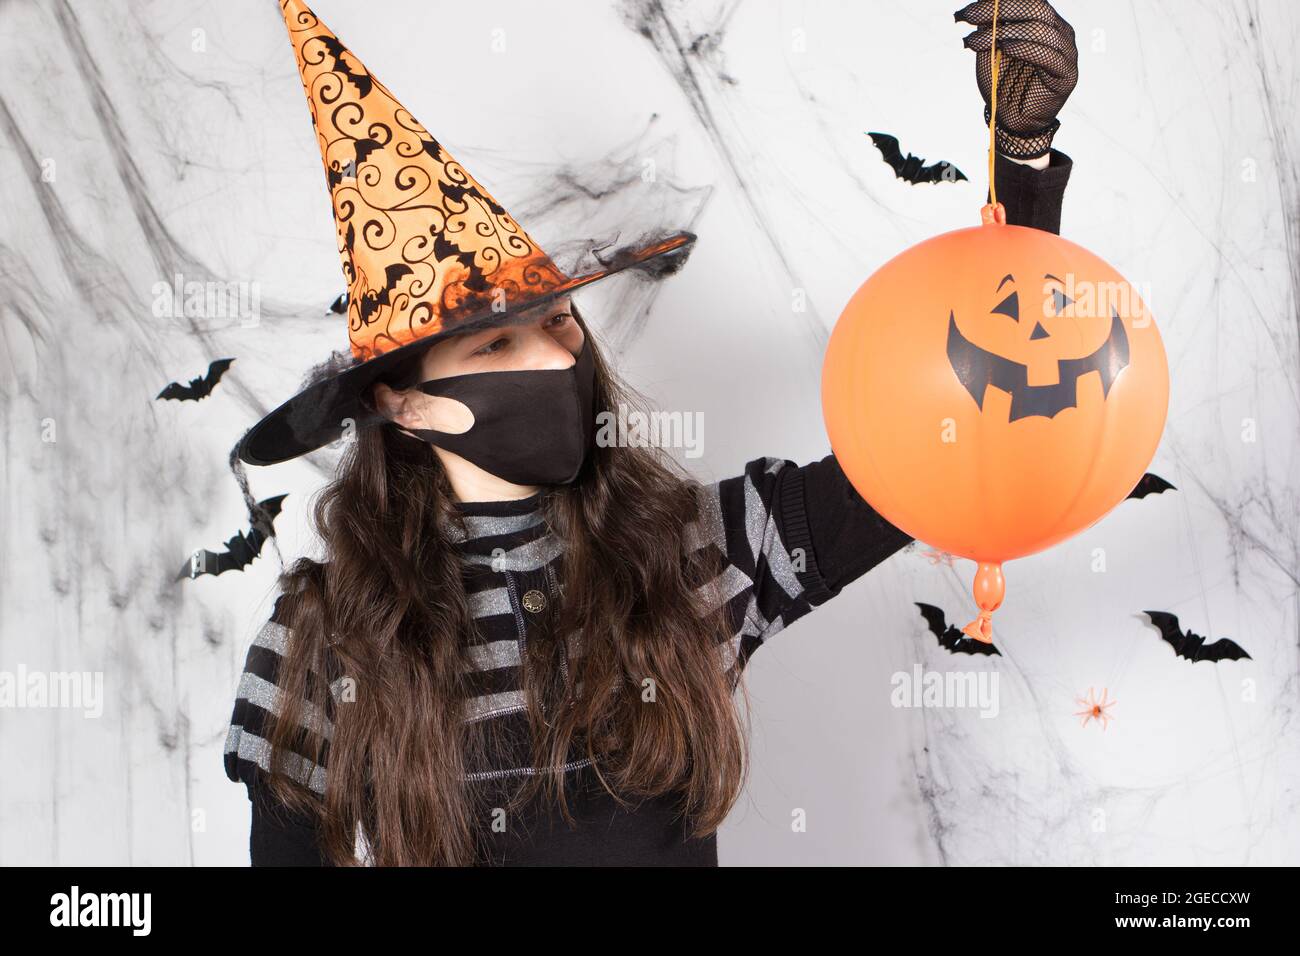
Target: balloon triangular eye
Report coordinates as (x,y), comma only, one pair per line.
(1060,300)
(1009,306)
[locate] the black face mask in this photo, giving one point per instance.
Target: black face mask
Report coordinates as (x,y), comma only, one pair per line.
(533,427)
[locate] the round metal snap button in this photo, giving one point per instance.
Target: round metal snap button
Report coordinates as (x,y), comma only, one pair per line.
(534,601)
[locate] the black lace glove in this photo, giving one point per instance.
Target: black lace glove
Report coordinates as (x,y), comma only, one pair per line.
(1040,66)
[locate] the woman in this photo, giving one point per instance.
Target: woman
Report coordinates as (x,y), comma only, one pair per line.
(523,642)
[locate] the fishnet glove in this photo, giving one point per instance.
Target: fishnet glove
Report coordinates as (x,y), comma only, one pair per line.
(1040,66)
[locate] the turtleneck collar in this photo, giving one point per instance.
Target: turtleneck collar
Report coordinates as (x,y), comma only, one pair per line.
(513,506)
(504,535)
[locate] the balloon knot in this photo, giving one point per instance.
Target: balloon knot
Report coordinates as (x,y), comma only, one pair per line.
(993,213)
(980,629)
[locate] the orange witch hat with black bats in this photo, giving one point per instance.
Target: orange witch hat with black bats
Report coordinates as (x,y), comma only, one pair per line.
(427,252)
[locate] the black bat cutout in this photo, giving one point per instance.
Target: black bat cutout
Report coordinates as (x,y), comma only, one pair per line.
(979,368)
(339,305)
(1151,485)
(198,388)
(241,549)
(911,168)
(951,638)
(1192,646)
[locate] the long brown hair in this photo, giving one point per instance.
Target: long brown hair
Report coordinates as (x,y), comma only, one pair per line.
(387,612)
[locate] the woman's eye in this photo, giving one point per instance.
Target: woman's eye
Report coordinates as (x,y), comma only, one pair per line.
(553,322)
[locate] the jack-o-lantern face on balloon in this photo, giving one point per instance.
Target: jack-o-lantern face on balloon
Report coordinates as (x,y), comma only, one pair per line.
(979,367)
(994,390)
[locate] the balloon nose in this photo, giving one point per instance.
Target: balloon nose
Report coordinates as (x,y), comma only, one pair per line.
(1039,332)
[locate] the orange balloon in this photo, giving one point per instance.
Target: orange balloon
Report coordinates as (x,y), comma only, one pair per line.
(993,391)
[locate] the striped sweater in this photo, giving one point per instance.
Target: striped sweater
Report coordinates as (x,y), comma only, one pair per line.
(779,539)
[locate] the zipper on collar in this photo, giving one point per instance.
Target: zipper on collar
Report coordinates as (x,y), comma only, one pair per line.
(521,627)
(553,586)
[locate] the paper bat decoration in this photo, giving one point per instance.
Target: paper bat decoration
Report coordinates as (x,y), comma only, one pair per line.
(241,549)
(911,168)
(199,388)
(1193,646)
(1150,485)
(950,638)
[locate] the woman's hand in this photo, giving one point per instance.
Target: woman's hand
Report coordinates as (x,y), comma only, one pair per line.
(1039,68)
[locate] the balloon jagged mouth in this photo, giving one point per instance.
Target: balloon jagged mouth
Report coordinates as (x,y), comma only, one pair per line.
(977,368)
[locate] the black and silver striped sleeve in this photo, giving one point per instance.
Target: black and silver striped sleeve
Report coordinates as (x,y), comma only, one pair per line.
(278,835)
(785,538)
(257,704)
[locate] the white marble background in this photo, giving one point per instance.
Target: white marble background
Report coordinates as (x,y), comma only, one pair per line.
(143,139)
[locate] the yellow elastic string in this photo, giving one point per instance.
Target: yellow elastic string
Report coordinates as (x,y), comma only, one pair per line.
(995,62)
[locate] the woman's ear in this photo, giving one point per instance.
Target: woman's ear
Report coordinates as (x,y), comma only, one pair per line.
(392,405)
(409,408)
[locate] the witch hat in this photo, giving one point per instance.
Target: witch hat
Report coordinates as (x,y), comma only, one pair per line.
(426,251)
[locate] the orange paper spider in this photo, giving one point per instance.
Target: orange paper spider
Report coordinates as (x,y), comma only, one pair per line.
(1095,708)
